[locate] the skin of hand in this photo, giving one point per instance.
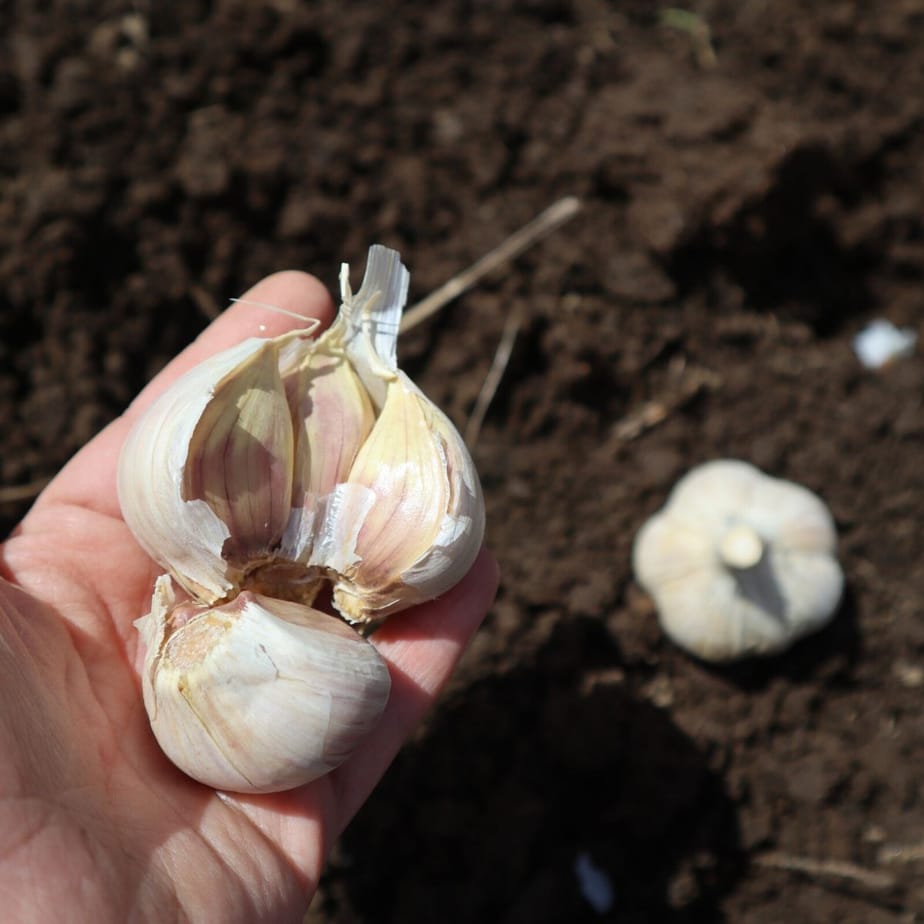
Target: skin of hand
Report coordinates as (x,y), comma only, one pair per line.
(95,823)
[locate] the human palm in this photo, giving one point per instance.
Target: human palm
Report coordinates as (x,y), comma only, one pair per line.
(95,823)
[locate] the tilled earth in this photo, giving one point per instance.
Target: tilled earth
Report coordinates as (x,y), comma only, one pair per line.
(753,187)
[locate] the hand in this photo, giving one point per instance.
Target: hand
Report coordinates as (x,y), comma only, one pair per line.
(95,823)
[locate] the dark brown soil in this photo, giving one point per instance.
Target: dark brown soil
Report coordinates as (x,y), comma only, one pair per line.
(743,219)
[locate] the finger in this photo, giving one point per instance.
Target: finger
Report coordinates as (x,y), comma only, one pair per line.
(89,479)
(253,315)
(422,648)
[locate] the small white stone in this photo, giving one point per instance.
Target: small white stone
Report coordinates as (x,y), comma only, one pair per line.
(881,342)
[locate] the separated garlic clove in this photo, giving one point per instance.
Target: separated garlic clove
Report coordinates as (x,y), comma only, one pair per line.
(257,695)
(739,563)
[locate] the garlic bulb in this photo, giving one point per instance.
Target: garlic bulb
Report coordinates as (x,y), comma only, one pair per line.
(269,472)
(739,563)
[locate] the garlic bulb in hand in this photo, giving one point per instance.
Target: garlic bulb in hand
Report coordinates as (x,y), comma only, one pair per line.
(739,563)
(272,470)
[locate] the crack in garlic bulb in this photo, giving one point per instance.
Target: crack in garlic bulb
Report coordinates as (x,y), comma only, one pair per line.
(270,471)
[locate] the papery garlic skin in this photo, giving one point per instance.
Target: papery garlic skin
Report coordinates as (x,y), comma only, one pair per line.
(269,471)
(739,563)
(257,695)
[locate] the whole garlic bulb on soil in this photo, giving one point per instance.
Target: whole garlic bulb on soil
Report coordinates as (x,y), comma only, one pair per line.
(739,563)
(270,472)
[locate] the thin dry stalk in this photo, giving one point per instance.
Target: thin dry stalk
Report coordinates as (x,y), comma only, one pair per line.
(494,376)
(311,324)
(826,869)
(689,382)
(542,225)
(901,853)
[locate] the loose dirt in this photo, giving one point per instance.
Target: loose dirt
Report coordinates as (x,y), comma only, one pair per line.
(753,189)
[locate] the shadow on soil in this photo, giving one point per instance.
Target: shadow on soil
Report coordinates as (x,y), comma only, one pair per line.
(829,655)
(484,818)
(784,250)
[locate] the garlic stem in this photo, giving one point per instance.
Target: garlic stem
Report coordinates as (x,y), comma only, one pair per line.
(741,547)
(742,550)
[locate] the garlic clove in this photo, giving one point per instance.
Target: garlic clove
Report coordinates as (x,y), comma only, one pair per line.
(424,523)
(739,563)
(257,695)
(240,457)
(462,524)
(711,495)
(183,533)
(434,496)
(409,520)
(335,417)
(812,583)
(797,518)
